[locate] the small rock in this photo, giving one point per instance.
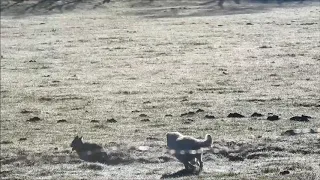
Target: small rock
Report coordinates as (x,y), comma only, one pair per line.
(209,117)
(302,118)
(34,119)
(235,115)
(134,111)
(273,117)
(94,121)
(56,148)
(250,128)
(32,61)
(255,114)
(249,24)
(220,25)
(168,115)
(285,172)
(145,120)
(23,139)
(61,121)
(111,120)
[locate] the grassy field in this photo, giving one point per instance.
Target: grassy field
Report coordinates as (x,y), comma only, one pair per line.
(147,66)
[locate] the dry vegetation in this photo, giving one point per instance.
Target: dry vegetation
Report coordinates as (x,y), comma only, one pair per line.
(125,73)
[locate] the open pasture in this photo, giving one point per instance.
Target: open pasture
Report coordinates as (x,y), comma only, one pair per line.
(125,73)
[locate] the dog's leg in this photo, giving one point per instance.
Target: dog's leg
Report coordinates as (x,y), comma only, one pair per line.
(199,157)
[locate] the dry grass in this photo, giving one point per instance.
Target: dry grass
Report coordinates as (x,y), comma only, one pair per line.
(127,64)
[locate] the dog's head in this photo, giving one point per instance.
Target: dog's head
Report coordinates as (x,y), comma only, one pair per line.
(76,143)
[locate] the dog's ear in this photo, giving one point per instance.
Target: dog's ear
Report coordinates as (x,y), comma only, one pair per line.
(81,138)
(77,137)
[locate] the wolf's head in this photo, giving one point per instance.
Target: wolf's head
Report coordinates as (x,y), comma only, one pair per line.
(76,143)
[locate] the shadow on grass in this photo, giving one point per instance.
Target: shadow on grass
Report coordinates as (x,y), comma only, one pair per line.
(180,173)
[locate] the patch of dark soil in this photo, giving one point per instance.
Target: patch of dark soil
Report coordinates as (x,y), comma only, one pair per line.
(265,47)
(285,172)
(24,111)
(143,115)
(190,113)
(94,121)
(62,121)
(23,139)
(168,115)
(45,99)
(301,118)
(34,119)
(91,166)
(233,157)
(235,115)
(111,120)
(188,121)
(180,173)
(6,142)
(289,132)
(199,110)
(209,116)
(255,114)
(145,120)
(308,24)
(273,117)
(153,138)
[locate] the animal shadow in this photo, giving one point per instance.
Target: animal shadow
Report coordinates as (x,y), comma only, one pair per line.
(180,173)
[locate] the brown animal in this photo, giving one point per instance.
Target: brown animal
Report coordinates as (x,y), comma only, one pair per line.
(88,151)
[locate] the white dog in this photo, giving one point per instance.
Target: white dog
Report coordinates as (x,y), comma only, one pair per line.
(188,149)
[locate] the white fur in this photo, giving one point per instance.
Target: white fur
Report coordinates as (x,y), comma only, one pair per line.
(187,148)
